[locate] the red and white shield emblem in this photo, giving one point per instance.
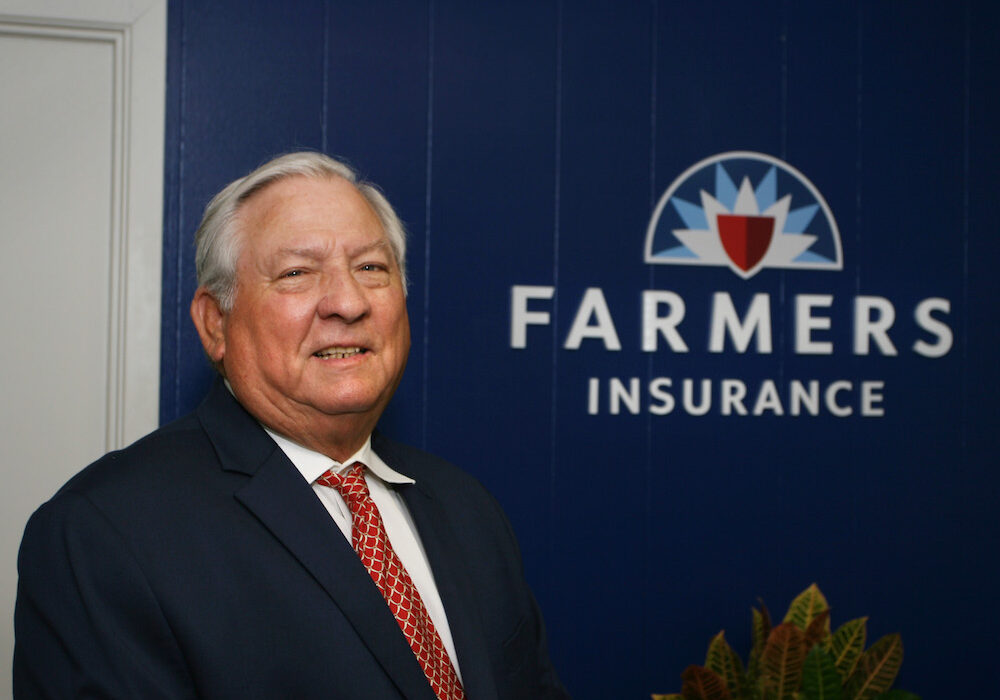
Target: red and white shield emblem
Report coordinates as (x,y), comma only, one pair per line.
(745,238)
(761,213)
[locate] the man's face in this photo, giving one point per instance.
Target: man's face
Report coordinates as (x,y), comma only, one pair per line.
(318,327)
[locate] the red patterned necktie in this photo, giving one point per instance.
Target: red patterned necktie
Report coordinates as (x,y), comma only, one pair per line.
(376,553)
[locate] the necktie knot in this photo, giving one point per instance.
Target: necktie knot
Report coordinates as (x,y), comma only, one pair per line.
(351,485)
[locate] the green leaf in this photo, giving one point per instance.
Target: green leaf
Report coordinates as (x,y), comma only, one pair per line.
(897,695)
(761,631)
(806,607)
(847,644)
(671,696)
(781,662)
(876,669)
(724,661)
(820,680)
(703,684)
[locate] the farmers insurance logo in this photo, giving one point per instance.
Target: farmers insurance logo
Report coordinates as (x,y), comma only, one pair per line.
(747,211)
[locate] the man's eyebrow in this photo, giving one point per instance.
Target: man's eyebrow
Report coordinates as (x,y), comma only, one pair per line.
(380,244)
(311,252)
(319,252)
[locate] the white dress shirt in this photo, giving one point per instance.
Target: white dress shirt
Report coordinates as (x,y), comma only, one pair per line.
(399,526)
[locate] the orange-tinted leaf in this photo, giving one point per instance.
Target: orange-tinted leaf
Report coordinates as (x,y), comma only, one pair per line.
(766,617)
(703,684)
(818,629)
(781,662)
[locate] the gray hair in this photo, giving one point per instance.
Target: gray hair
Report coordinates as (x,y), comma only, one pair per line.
(217,244)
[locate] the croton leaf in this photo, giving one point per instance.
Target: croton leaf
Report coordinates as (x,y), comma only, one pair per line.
(818,630)
(876,669)
(897,695)
(761,631)
(781,662)
(847,644)
(700,683)
(671,696)
(724,661)
(807,605)
(820,680)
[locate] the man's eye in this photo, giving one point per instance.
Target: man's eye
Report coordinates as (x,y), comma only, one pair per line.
(372,267)
(292,273)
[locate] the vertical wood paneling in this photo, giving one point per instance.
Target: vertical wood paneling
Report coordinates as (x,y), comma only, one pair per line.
(492,210)
(525,144)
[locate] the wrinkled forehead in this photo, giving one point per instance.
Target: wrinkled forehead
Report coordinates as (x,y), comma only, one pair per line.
(306,211)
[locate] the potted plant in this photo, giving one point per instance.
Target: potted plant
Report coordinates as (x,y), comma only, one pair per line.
(799,659)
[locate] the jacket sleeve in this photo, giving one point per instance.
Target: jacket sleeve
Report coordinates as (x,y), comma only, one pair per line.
(87,622)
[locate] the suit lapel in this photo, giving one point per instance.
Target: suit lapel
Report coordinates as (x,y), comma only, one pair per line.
(281,499)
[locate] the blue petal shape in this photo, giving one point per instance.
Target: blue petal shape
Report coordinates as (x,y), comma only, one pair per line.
(725,190)
(678,252)
(767,190)
(692,215)
(799,219)
(810,257)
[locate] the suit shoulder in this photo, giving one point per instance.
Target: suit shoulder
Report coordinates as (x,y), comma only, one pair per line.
(147,460)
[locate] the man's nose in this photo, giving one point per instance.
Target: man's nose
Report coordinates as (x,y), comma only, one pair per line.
(344,297)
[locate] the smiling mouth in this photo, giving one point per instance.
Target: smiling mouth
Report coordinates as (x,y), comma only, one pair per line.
(338,353)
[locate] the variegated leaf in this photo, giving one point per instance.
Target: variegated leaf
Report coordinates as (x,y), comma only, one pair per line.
(781,662)
(818,630)
(876,669)
(671,696)
(847,644)
(703,684)
(806,607)
(761,631)
(724,661)
(820,680)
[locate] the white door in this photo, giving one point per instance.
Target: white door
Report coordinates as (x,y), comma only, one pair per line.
(81,173)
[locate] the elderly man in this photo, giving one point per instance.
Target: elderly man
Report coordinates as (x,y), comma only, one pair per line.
(272,544)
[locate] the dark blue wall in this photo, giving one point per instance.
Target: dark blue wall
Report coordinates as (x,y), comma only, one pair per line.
(527,143)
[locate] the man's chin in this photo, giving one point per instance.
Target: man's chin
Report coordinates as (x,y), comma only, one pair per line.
(347,406)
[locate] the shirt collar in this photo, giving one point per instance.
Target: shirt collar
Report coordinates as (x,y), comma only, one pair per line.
(312,464)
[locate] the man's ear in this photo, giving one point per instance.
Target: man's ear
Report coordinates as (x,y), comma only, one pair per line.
(210,321)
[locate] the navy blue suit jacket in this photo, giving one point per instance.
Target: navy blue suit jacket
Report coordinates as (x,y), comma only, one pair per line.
(199,563)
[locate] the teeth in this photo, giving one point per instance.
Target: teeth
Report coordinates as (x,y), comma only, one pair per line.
(337,353)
